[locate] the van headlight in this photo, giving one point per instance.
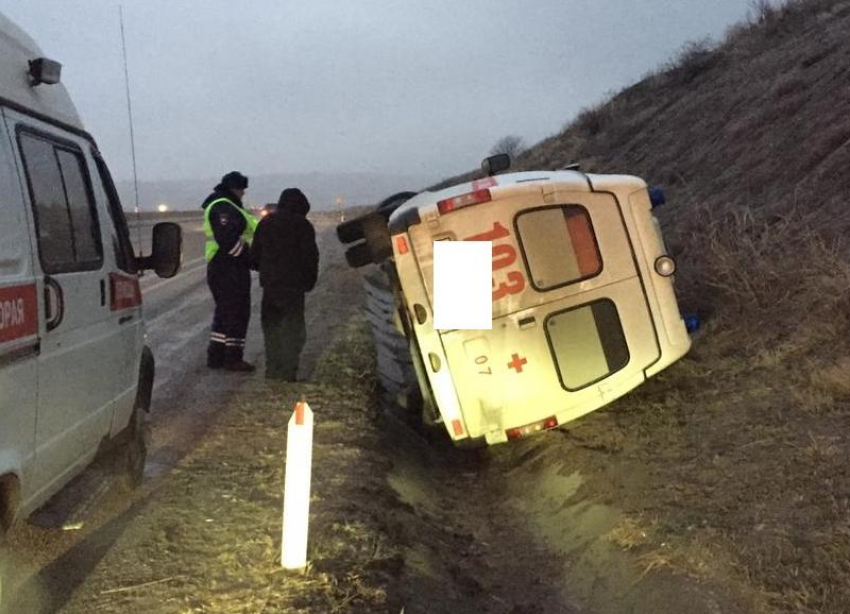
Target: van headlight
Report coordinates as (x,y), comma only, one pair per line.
(665,266)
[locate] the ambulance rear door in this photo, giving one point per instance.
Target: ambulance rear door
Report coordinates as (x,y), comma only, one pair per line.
(571,325)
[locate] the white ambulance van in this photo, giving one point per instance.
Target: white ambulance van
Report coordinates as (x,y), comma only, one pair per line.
(583,303)
(75,374)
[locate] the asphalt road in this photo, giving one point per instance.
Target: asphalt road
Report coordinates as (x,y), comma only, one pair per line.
(51,555)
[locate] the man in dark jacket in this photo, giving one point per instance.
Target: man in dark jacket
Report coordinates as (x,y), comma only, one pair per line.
(229,229)
(284,251)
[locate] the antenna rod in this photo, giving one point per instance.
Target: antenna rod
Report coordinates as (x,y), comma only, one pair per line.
(132,135)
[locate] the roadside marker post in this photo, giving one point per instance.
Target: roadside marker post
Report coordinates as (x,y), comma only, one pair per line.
(296,488)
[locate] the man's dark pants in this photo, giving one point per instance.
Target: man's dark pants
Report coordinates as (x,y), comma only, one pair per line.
(230,283)
(284,331)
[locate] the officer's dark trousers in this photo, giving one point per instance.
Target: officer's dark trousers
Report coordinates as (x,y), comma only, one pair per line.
(284,332)
(230,283)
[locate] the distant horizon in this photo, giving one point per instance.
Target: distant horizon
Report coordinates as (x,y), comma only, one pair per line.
(247,173)
(325,190)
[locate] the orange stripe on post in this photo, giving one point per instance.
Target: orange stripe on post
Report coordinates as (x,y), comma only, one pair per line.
(584,244)
(299,413)
(458,427)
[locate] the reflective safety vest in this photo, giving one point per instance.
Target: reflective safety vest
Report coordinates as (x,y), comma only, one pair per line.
(211,247)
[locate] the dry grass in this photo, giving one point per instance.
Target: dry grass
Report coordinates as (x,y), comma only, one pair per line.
(747,438)
(210,539)
(628,534)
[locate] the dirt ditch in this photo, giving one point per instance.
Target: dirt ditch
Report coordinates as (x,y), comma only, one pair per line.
(587,519)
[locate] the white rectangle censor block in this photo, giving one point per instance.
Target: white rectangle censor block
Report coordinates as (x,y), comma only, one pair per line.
(463,285)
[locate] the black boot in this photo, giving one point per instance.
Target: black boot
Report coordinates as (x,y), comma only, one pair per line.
(215,355)
(233,360)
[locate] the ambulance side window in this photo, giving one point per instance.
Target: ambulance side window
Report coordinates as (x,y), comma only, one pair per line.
(559,246)
(125,258)
(65,214)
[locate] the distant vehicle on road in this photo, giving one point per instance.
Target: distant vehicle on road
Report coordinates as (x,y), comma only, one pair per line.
(583,303)
(75,374)
(266,210)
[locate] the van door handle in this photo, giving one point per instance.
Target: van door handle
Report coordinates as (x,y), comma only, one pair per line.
(102,292)
(528,322)
(54,303)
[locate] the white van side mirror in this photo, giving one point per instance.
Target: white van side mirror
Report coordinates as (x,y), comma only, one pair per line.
(166,251)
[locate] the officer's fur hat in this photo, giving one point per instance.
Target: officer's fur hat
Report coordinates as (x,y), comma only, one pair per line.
(234,180)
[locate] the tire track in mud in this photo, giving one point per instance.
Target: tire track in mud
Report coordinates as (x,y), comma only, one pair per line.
(466,551)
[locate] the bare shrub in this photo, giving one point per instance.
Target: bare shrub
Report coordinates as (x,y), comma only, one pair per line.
(594,119)
(761,11)
(692,59)
(511,144)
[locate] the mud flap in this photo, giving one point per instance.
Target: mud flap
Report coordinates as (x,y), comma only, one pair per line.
(147,371)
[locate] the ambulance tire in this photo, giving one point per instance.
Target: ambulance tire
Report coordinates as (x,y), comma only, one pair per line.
(365,225)
(391,203)
(358,256)
(351,230)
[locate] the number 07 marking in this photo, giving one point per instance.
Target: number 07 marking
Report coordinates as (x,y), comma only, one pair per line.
(481,361)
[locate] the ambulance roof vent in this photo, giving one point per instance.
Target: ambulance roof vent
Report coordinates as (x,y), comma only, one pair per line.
(44,70)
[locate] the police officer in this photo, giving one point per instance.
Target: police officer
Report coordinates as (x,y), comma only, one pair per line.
(229,229)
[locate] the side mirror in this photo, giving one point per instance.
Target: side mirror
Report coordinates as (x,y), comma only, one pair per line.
(496,164)
(166,251)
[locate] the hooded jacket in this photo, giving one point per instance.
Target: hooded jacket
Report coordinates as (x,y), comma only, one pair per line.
(284,250)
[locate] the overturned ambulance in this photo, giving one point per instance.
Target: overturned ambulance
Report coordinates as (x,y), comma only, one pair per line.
(582,287)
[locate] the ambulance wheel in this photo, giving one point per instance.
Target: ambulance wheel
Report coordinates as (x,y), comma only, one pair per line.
(351,230)
(358,256)
(134,452)
(391,203)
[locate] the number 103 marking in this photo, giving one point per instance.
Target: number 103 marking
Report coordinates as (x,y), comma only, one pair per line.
(504,255)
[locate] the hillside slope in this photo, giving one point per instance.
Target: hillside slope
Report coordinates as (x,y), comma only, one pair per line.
(744,445)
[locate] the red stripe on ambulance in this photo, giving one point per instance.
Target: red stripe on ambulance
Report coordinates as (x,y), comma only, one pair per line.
(18,312)
(483,183)
(124,292)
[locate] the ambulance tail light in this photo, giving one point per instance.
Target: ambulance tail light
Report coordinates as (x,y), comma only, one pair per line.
(529,429)
(464,200)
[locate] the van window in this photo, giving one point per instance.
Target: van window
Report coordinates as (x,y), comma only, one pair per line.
(559,245)
(587,342)
(125,258)
(66,219)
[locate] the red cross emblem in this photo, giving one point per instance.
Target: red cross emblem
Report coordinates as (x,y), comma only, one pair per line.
(517,363)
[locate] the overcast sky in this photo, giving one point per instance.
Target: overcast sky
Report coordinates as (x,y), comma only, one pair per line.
(396,86)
